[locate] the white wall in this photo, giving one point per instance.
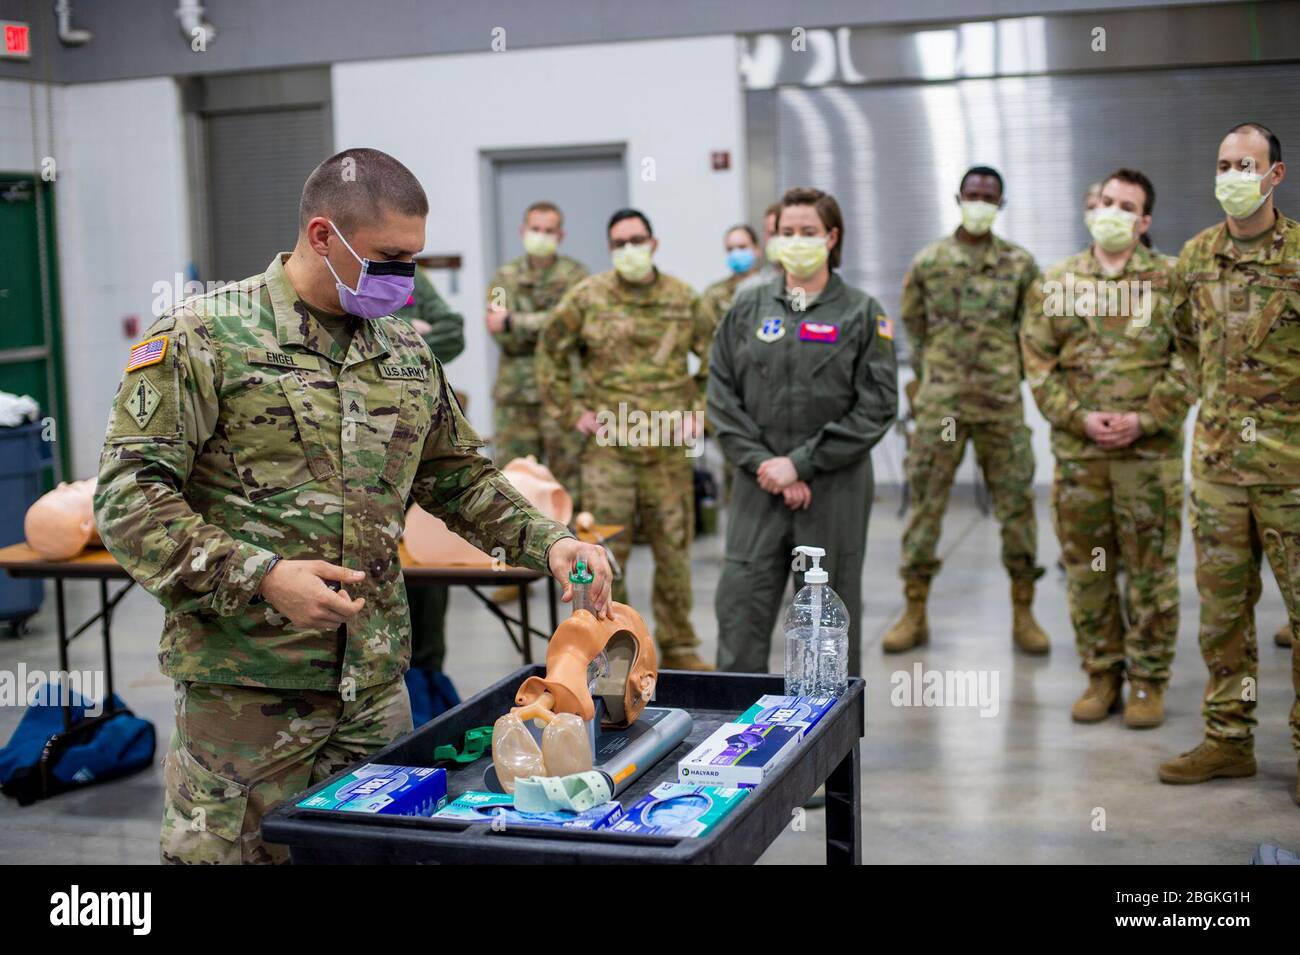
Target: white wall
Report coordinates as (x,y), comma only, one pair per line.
(671,100)
(123,225)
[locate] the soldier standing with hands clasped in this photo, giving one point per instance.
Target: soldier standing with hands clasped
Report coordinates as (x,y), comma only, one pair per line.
(259,456)
(1099,355)
(802,384)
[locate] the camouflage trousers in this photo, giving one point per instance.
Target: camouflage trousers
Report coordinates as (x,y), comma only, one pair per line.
(1005,457)
(1233,527)
(1121,513)
(523,429)
(237,751)
(655,486)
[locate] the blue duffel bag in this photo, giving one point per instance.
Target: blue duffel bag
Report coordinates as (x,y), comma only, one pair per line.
(42,759)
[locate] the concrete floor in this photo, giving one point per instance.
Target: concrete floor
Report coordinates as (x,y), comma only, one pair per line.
(940,784)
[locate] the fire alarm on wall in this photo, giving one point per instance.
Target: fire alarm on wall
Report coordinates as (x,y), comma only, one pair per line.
(720,159)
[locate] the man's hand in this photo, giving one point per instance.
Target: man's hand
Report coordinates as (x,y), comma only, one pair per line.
(297,589)
(496,320)
(588,423)
(564,556)
(1123,430)
(776,474)
(1096,425)
(798,496)
(422,328)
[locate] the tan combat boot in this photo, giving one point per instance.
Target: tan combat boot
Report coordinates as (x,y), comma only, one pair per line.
(1145,707)
(1213,759)
(1025,631)
(1283,637)
(912,629)
(1100,699)
(683,660)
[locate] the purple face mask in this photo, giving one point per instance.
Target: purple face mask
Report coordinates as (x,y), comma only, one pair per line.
(382,288)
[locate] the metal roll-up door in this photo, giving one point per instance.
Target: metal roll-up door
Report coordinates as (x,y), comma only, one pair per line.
(892,155)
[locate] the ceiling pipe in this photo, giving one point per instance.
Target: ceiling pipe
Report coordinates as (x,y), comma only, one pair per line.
(190,15)
(67,35)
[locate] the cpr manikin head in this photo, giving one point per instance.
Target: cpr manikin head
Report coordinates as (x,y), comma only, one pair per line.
(564,699)
(61,524)
(625,687)
(536,482)
(430,541)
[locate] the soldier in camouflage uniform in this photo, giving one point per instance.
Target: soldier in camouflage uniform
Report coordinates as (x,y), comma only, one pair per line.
(519,301)
(744,261)
(443,330)
(633,328)
(1100,357)
(262,446)
(962,303)
(1237,322)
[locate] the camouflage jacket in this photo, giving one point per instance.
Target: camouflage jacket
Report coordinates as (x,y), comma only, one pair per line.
(249,433)
(1237,322)
(717,298)
(447,336)
(961,307)
(530,295)
(1098,342)
(633,342)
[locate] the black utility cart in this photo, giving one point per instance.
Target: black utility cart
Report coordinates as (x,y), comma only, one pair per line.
(828,755)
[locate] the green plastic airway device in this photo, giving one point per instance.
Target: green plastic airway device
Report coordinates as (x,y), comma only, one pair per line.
(580,579)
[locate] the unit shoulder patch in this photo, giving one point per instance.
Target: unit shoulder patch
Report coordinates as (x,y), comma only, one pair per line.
(142,401)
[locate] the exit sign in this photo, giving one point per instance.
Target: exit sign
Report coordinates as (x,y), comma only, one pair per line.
(17,40)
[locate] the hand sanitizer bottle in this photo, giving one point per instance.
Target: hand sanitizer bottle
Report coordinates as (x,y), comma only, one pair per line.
(816,635)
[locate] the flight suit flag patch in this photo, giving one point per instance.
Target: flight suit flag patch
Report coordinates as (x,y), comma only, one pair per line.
(885,327)
(149,352)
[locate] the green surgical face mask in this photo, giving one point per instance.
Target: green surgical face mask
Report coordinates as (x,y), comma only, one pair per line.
(977,217)
(1111,227)
(803,255)
(540,244)
(1239,192)
(633,262)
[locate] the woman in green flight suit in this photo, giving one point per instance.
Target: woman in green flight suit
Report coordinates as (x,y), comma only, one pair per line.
(802,384)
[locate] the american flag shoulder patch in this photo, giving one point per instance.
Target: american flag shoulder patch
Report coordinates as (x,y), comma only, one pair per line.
(885,327)
(149,352)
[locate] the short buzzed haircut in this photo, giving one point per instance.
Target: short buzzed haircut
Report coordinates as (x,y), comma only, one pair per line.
(544,205)
(1135,178)
(982,171)
(1274,144)
(358,185)
(622,214)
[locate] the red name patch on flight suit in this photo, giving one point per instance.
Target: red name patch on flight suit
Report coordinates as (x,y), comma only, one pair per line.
(817,332)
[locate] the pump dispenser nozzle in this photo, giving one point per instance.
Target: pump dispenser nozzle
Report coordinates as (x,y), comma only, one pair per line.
(815,574)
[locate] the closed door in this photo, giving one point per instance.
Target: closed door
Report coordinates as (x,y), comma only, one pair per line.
(588,188)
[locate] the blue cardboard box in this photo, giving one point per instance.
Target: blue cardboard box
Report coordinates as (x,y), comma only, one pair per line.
(804,712)
(389,790)
(676,809)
